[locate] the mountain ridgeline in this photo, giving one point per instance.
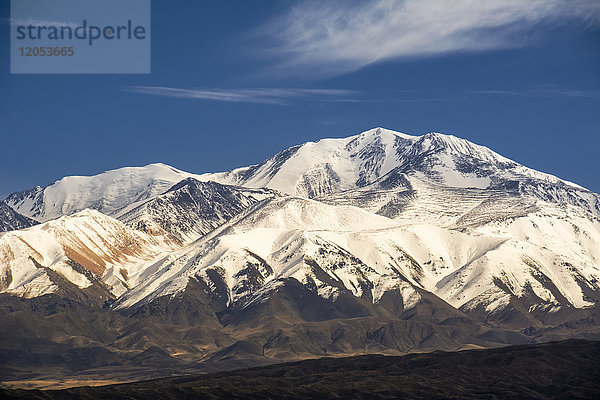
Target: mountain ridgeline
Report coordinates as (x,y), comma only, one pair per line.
(377,243)
(11,220)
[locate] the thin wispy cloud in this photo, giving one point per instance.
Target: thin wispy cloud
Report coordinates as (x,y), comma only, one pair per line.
(36,22)
(333,37)
(275,96)
(544,92)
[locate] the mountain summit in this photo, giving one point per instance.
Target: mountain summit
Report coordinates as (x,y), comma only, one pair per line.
(380,156)
(105,192)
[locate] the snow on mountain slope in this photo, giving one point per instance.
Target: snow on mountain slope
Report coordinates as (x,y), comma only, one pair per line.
(105,192)
(272,240)
(552,254)
(190,209)
(82,249)
(11,220)
(323,167)
(553,260)
(331,166)
(309,215)
(412,200)
(542,257)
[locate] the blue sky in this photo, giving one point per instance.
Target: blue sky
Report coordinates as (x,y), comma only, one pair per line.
(235,82)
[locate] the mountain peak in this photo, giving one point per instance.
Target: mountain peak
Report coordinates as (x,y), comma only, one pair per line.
(381,131)
(107,192)
(329,166)
(313,169)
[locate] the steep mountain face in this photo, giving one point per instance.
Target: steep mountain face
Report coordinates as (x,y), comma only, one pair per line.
(11,220)
(270,242)
(106,192)
(87,256)
(190,209)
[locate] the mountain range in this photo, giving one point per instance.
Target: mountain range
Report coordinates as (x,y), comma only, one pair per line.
(381,242)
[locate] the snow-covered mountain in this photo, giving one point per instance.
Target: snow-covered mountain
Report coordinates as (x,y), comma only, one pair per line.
(377,241)
(105,192)
(426,211)
(383,158)
(88,251)
(371,167)
(526,266)
(268,242)
(11,220)
(190,209)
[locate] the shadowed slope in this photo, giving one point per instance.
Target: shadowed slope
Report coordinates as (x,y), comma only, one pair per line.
(559,370)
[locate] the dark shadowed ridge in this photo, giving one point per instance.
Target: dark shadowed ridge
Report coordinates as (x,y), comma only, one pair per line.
(556,370)
(11,220)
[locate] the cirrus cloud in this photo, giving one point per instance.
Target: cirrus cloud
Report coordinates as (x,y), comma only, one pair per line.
(330,38)
(275,96)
